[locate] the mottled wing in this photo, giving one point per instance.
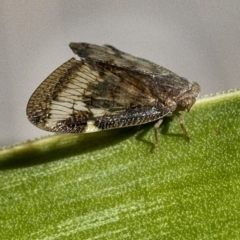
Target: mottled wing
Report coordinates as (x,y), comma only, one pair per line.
(111,56)
(81,96)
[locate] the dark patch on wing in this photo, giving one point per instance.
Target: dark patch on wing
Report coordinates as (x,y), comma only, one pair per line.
(157,80)
(111,56)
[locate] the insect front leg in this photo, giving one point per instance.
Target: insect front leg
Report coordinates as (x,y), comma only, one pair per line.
(181,122)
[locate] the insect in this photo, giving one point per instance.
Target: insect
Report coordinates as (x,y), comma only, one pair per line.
(108,89)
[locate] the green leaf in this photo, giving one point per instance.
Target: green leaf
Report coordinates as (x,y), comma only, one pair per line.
(109,185)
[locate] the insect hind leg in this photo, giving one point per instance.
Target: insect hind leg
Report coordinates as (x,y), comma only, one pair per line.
(156,127)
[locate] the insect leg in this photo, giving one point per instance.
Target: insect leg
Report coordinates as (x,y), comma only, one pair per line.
(181,122)
(156,126)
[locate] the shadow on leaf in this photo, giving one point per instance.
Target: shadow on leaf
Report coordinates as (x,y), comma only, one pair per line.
(61,146)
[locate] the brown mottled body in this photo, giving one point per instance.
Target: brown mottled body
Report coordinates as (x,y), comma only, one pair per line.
(108,89)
